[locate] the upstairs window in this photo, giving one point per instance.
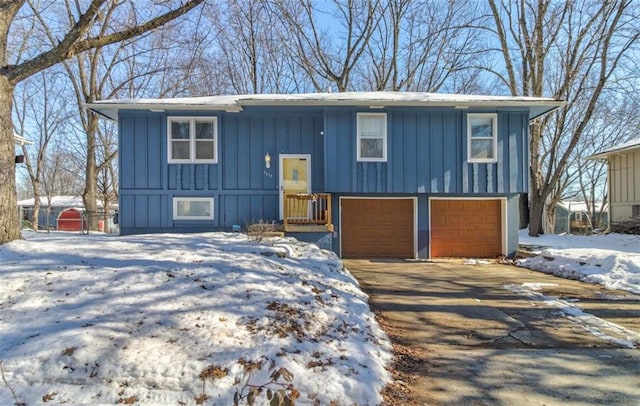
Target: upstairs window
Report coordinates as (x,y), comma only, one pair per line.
(372,137)
(482,132)
(192,139)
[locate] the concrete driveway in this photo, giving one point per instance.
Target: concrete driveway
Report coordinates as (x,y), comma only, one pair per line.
(476,335)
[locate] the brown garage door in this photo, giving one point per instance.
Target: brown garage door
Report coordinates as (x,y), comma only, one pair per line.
(466,228)
(376,228)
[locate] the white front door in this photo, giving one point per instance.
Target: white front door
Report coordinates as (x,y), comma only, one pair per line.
(295,176)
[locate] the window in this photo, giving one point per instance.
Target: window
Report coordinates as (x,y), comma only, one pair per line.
(483,137)
(635,210)
(193,208)
(372,137)
(192,139)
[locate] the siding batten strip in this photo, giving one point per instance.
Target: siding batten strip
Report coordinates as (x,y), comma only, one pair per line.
(365,169)
(475,178)
(465,176)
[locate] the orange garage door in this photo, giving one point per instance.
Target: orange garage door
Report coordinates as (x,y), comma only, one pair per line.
(466,228)
(375,228)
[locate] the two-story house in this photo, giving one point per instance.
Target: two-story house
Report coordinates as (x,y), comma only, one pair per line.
(366,174)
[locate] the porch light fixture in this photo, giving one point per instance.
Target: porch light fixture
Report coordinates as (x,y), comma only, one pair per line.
(267,160)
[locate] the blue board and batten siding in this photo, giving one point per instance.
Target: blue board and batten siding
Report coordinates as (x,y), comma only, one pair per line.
(242,188)
(426,156)
(427,153)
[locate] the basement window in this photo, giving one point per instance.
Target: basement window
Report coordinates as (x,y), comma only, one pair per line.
(193,208)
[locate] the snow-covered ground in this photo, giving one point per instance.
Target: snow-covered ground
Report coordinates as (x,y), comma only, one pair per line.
(183,319)
(597,326)
(611,260)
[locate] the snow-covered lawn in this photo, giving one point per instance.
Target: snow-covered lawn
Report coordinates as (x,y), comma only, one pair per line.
(183,319)
(611,260)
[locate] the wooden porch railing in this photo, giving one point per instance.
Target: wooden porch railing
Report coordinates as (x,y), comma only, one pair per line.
(307,209)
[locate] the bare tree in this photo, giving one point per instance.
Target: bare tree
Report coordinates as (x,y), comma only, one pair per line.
(42,112)
(62,173)
(329,60)
(605,132)
(567,50)
(248,55)
(422,46)
(107,178)
(16,66)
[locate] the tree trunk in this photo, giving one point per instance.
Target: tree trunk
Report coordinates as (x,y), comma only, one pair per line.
(105,213)
(538,193)
(524,210)
(91,176)
(536,210)
(9,213)
(550,218)
(36,206)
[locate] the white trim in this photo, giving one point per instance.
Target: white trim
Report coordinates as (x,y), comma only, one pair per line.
(192,139)
(537,105)
(494,138)
(618,149)
(359,158)
(193,199)
(20,140)
(281,158)
(503,216)
(415,215)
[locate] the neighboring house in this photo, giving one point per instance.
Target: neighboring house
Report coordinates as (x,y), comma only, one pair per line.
(623,180)
(366,174)
(573,217)
(64,213)
(19,140)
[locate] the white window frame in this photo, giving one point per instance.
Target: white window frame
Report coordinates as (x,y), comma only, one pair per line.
(494,138)
(192,139)
(193,199)
(360,158)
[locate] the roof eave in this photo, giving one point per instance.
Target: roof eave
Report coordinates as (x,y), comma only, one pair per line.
(20,140)
(110,110)
(536,108)
(605,155)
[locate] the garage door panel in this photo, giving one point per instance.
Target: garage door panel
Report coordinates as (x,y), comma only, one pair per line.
(377,228)
(466,228)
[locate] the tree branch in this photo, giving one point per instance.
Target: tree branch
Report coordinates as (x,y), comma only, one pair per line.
(72,44)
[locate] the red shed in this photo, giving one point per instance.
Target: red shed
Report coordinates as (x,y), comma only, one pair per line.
(71,220)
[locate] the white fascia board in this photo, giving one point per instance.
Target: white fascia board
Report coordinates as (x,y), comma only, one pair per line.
(536,106)
(630,146)
(110,110)
(20,140)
